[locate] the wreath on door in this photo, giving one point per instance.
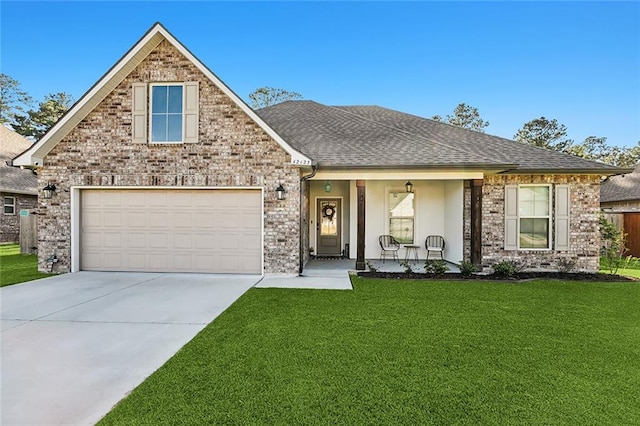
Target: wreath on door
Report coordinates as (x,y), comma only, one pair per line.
(328,211)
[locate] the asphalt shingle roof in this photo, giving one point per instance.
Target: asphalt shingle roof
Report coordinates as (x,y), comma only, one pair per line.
(621,188)
(372,136)
(14,179)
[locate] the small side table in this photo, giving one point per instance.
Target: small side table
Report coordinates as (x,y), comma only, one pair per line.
(411,249)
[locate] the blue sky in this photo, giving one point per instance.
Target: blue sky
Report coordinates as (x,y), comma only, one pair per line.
(577,62)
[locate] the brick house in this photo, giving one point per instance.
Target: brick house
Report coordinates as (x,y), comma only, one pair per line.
(18,187)
(162,167)
(620,200)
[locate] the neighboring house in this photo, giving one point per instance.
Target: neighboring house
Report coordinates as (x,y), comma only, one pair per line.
(18,187)
(620,199)
(162,167)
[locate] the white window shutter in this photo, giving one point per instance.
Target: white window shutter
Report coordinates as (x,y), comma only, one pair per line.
(191,112)
(139,113)
(511,217)
(563,204)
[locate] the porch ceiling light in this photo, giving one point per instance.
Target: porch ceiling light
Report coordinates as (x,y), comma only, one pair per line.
(49,190)
(328,187)
(409,186)
(280,192)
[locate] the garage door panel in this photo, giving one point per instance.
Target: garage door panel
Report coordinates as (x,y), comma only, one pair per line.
(93,218)
(91,240)
(251,262)
(172,230)
(157,240)
(203,220)
(112,199)
(136,240)
(136,219)
(112,219)
(183,241)
(158,219)
(112,240)
(136,261)
(229,241)
(156,199)
(182,220)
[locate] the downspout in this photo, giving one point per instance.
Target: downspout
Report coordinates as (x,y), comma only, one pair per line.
(303,179)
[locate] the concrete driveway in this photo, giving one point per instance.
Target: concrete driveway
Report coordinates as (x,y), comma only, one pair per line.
(74,345)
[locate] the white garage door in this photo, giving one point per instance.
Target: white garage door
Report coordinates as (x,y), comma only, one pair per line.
(213,231)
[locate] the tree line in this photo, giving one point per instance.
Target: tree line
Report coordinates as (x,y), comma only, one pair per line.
(18,111)
(549,134)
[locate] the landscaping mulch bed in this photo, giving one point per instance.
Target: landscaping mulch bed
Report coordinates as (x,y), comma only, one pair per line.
(567,276)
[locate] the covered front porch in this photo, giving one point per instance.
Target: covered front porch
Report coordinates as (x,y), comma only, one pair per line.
(348,212)
(332,267)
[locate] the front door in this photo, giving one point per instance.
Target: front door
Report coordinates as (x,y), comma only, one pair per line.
(328,227)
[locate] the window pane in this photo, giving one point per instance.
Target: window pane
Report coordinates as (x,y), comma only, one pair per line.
(174,132)
(175,99)
(527,208)
(526,193)
(401,204)
(534,233)
(534,201)
(401,229)
(159,96)
(329,218)
(159,126)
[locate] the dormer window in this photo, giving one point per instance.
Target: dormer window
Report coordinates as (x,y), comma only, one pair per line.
(169,116)
(167,113)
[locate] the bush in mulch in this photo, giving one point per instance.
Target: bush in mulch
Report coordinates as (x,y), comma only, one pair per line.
(567,276)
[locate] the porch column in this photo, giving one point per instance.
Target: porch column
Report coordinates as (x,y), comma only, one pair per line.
(360,261)
(476,223)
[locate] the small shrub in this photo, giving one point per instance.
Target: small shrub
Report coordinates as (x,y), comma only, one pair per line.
(435,267)
(507,268)
(566,264)
(612,248)
(371,266)
(408,269)
(467,268)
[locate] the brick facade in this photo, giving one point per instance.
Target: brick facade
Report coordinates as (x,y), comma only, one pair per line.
(10,223)
(232,150)
(584,235)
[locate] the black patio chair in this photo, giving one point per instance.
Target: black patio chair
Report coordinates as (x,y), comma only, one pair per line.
(436,244)
(388,244)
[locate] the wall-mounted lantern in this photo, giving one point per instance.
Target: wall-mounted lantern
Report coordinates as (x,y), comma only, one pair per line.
(409,186)
(327,187)
(280,192)
(49,190)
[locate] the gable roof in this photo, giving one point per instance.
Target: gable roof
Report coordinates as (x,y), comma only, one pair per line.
(361,136)
(12,179)
(90,100)
(621,188)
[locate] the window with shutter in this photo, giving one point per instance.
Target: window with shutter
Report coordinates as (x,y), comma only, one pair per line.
(171,115)
(528,217)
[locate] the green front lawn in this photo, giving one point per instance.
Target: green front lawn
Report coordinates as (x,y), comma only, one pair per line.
(407,352)
(16,267)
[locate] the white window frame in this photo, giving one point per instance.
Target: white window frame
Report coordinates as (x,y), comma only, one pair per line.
(388,217)
(150,114)
(12,204)
(549,217)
